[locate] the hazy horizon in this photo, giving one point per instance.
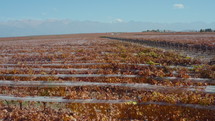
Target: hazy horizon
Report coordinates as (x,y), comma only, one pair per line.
(81,16)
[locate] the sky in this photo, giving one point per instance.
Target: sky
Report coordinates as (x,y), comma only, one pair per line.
(35,17)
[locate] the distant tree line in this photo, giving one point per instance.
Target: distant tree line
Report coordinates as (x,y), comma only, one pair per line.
(157,30)
(207,30)
(201,30)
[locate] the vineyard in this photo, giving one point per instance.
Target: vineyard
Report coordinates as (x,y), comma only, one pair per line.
(196,45)
(107,77)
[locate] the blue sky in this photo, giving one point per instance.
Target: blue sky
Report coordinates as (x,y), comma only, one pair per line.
(105,12)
